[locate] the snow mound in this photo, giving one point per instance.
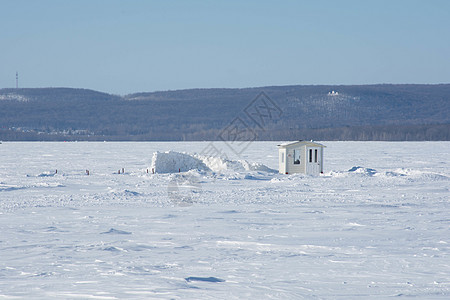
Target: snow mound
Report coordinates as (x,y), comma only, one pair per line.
(173,162)
(6,188)
(407,174)
(43,174)
(363,171)
(417,174)
(218,164)
(354,171)
(207,279)
(115,231)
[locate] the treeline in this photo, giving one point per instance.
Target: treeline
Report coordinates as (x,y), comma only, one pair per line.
(358,133)
(367,112)
(440,132)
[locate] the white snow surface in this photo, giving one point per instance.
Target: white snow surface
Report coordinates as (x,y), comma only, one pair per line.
(375,225)
(173,162)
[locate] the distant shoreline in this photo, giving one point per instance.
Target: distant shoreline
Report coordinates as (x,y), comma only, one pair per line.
(383,112)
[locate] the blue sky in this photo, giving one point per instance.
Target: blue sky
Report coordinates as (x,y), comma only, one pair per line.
(130,46)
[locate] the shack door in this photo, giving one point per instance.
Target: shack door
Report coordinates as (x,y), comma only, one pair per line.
(313,160)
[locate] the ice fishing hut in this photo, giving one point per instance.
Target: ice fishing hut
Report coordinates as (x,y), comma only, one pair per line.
(300,157)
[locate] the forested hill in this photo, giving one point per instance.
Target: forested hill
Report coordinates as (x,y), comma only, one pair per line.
(346,112)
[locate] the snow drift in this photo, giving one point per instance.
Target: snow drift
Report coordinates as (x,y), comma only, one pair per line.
(173,162)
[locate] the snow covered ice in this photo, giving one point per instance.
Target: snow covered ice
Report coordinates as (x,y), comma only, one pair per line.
(374,225)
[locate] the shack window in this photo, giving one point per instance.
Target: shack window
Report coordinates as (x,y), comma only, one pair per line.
(282,157)
(296,157)
(310,155)
(315,155)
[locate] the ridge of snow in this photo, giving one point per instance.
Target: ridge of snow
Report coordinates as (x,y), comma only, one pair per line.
(173,162)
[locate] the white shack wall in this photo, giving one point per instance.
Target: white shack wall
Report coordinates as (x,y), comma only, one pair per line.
(290,166)
(281,161)
(321,159)
(314,168)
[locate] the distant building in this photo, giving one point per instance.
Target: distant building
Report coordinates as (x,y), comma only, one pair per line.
(300,157)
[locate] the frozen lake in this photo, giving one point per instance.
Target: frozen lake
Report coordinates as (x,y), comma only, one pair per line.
(375,225)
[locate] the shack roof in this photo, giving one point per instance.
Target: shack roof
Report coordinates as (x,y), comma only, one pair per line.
(301,143)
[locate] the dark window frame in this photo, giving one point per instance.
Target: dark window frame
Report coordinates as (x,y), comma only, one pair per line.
(297,160)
